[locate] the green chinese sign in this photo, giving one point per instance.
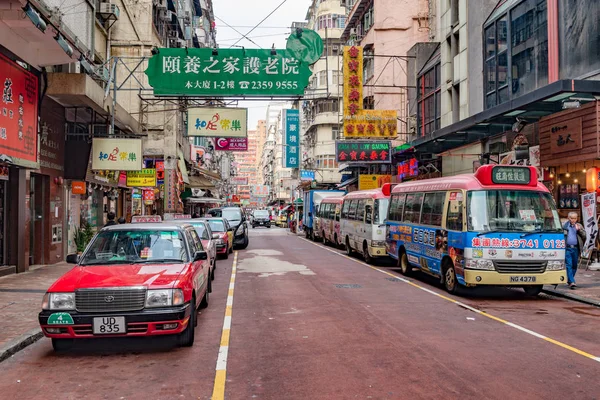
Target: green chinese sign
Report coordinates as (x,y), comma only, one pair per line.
(227,72)
(511,175)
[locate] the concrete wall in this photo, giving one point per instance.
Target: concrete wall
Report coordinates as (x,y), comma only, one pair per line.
(460,160)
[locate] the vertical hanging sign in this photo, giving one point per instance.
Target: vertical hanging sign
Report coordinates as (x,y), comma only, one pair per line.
(291,138)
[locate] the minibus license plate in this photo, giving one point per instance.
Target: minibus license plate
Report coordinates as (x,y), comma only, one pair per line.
(523,279)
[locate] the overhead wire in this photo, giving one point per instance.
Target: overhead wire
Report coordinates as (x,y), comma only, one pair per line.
(263,20)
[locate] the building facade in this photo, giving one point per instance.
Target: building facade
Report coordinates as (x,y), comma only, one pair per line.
(511,87)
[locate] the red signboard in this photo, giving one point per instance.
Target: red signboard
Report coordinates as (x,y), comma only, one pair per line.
(148,195)
(18,112)
(231,144)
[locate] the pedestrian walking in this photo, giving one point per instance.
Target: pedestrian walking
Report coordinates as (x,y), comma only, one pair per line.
(111,219)
(575,238)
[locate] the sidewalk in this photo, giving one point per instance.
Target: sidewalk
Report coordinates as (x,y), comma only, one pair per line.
(587,291)
(20,302)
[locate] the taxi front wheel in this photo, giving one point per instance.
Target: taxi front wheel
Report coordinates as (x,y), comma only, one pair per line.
(186,338)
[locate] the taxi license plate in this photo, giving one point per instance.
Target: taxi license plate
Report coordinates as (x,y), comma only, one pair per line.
(522,279)
(109,325)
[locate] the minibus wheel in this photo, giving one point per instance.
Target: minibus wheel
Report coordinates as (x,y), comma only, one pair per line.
(404,265)
(366,255)
(349,251)
(450,281)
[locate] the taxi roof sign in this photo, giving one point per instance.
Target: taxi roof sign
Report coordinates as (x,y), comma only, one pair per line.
(145,219)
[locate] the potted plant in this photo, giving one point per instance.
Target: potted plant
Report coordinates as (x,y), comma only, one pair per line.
(82,236)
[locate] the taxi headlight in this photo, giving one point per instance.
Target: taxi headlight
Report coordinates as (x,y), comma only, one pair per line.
(487,265)
(164,298)
(58,301)
(555,265)
(219,241)
(240,229)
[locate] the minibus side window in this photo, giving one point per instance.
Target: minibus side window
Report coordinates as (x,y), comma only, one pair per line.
(454,218)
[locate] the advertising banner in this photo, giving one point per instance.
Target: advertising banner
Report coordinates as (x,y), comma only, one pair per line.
(143,178)
(18,114)
(233,72)
(307,175)
(231,144)
(360,123)
(291,138)
(239,180)
(589,221)
(117,154)
(363,151)
(218,122)
(171,194)
(368,182)
(260,191)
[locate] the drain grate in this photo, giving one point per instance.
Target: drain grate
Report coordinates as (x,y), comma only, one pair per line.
(347,286)
(393,279)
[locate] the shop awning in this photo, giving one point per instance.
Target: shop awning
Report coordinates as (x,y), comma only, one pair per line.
(200,182)
(346,183)
(205,200)
(529,107)
(183,169)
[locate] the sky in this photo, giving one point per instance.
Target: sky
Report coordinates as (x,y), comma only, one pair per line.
(243,15)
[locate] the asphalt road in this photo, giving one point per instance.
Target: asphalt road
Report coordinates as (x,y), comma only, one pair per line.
(306,322)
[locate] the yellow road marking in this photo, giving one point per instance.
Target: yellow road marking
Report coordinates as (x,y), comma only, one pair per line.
(465,306)
(221,368)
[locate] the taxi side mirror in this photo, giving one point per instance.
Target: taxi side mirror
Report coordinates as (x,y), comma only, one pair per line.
(72,258)
(200,255)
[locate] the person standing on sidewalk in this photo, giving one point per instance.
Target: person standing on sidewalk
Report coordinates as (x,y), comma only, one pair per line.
(575,237)
(111,219)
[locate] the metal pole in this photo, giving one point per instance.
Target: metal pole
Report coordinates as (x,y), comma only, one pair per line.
(327,58)
(114,100)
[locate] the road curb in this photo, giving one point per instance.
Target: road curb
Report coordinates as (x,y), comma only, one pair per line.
(570,296)
(19,343)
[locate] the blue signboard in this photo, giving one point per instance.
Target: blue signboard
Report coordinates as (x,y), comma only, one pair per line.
(307,175)
(291,138)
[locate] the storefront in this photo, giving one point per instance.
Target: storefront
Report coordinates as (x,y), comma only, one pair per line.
(570,154)
(18,153)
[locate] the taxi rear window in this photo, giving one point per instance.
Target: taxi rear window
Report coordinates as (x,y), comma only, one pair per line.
(136,246)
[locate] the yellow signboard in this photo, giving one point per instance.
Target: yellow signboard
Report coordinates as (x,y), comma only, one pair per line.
(367,182)
(360,123)
(144,178)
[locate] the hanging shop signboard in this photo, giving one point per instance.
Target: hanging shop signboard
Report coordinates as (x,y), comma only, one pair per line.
(363,151)
(18,114)
(218,122)
(239,180)
(306,175)
(291,138)
(368,182)
(231,144)
(360,123)
(260,191)
(409,168)
(117,154)
(143,178)
(227,72)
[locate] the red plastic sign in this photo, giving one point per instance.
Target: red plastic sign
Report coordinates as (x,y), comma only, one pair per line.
(18,111)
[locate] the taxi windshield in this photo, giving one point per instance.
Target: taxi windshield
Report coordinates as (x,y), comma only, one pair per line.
(261,214)
(136,246)
(511,211)
(217,225)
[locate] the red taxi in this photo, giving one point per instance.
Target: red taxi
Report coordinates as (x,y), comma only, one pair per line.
(220,226)
(132,280)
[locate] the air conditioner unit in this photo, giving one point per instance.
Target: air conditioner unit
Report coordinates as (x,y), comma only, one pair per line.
(182,43)
(109,9)
(353,31)
(187,16)
(161,4)
(335,47)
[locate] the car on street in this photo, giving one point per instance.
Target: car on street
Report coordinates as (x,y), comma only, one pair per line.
(208,237)
(238,221)
(221,227)
(144,279)
(261,218)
